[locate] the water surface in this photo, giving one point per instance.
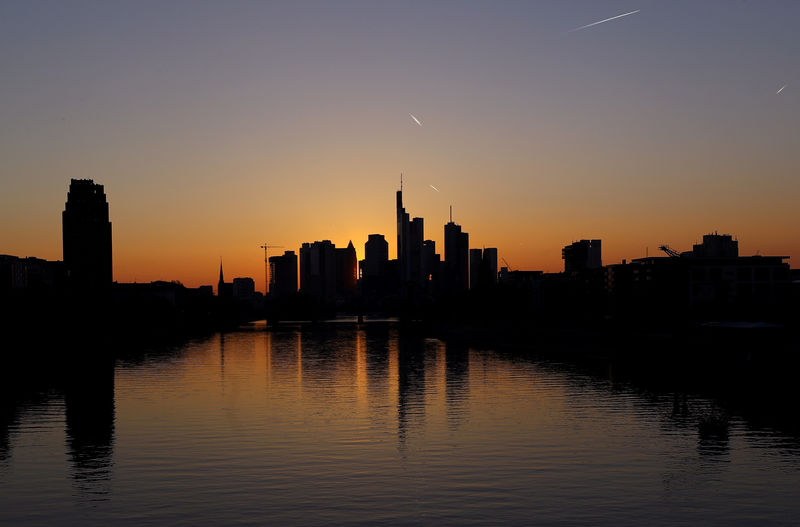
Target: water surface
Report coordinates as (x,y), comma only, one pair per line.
(370,425)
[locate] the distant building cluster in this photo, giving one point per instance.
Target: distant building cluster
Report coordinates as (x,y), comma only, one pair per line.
(333,276)
(30,274)
(327,272)
(710,277)
(710,280)
(241,288)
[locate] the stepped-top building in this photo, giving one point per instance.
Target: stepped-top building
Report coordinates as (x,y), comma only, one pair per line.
(87,236)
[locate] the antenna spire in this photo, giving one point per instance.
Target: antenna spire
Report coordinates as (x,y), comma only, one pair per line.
(401,182)
(451,214)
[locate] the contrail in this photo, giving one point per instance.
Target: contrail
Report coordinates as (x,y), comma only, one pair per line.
(415,119)
(606,20)
(434,188)
(782,87)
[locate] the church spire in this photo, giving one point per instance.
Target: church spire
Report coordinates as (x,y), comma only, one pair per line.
(223,289)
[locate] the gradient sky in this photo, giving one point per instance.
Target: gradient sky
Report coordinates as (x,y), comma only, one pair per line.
(215,126)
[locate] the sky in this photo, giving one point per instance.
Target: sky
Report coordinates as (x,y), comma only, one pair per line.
(218,126)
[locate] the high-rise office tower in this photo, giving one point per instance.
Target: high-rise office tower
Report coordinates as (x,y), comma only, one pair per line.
(376,254)
(432,262)
(283,274)
(318,270)
(482,268)
(410,244)
(403,234)
(475,268)
(346,270)
(490,264)
(416,247)
(87,236)
(378,276)
(456,257)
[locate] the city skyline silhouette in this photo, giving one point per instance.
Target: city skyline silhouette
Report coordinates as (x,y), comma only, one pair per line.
(467,285)
(95,247)
(214,131)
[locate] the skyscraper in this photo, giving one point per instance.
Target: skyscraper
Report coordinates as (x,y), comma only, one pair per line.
(87,236)
(403,234)
(318,270)
(376,254)
(283,274)
(432,263)
(416,248)
(378,275)
(410,245)
(346,270)
(490,264)
(456,257)
(482,268)
(475,267)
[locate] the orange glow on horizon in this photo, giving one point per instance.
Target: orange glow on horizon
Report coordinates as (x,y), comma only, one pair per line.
(300,133)
(186,244)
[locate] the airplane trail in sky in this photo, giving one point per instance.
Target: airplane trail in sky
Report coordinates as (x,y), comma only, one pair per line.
(782,87)
(434,188)
(415,119)
(606,20)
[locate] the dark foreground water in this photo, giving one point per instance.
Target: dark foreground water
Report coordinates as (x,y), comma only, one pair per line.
(368,426)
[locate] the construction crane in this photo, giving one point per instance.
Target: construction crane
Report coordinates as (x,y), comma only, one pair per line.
(507,264)
(670,251)
(266,246)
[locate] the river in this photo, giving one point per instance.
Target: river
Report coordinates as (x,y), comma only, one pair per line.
(368,425)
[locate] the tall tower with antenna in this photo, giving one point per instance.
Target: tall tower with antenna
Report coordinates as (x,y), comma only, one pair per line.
(410,243)
(403,234)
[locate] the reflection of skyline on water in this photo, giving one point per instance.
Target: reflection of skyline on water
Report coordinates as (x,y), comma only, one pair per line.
(377,361)
(79,399)
(390,406)
(380,355)
(457,381)
(89,413)
(410,385)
